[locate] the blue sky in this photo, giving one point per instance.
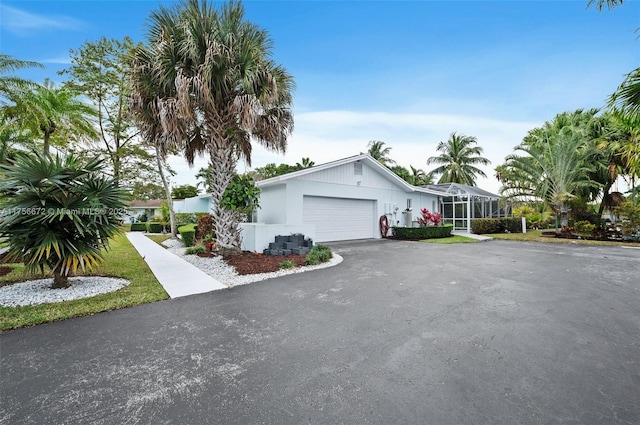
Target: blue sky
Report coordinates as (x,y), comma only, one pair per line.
(405,72)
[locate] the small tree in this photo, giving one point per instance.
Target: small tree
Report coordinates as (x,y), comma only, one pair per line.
(58,213)
(184,191)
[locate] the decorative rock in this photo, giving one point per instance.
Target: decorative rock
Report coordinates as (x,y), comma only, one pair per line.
(281,239)
(286,252)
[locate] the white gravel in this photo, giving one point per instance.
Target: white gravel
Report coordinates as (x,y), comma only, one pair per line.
(218,269)
(39,291)
(35,292)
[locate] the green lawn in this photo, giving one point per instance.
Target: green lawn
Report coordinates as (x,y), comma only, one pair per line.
(536,236)
(159,239)
(121,261)
(451,239)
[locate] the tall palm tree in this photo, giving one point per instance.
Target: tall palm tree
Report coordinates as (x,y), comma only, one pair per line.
(207,78)
(419,177)
(11,86)
(380,153)
(306,163)
(47,110)
(600,4)
(626,98)
(458,159)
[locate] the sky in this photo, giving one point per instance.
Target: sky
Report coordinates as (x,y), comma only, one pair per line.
(408,73)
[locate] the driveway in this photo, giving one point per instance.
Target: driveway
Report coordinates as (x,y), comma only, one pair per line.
(399,333)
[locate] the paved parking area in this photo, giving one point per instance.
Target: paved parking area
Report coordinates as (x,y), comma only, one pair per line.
(399,333)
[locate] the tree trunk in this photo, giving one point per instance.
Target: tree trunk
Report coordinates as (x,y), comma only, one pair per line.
(59,281)
(605,192)
(167,191)
(45,148)
(225,222)
(564,215)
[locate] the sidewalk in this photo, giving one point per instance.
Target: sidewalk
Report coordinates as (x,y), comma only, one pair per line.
(178,277)
(480,238)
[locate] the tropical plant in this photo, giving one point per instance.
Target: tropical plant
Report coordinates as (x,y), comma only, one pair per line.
(48,110)
(458,160)
(553,169)
(207,80)
(58,213)
(306,163)
(241,195)
(401,172)
(427,218)
(11,87)
(419,177)
(600,4)
(377,150)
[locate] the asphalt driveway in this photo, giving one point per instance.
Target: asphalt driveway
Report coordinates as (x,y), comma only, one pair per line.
(399,333)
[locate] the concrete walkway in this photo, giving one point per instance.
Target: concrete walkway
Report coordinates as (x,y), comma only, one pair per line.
(480,238)
(178,277)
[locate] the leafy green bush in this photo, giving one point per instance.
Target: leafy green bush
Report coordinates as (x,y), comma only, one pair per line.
(138,227)
(196,249)
(287,264)
(186,218)
(154,227)
(318,254)
(584,227)
(481,226)
(188,234)
(427,232)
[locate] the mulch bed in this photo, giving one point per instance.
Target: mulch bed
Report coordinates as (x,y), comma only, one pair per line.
(4,270)
(252,263)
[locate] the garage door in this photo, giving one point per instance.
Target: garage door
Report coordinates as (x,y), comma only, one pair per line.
(339,219)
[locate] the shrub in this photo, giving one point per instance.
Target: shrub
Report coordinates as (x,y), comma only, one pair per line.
(138,227)
(584,227)
(287,264)
(496,225)
(428,232)
(188,233)
(429,219)
(318,254)
(142,217)
(205,227)
(186,218)
(154,227)
(196,249)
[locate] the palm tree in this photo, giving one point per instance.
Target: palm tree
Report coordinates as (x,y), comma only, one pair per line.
(58,213)
(552,170)
(419,177)
(626,98)
(380,153)
(306,163)
(47,109)
(611,4)
(208,80)
(10,86)
(458,160)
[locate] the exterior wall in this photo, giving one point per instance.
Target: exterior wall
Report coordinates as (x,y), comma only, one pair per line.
(273,208)
(193,205)
(257,236)
(284,203)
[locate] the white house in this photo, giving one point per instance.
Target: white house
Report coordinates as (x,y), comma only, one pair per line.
(336,201)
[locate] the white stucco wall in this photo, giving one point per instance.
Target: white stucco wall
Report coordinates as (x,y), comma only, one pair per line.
(273,209)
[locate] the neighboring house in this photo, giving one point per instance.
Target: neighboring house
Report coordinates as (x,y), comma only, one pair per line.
(200,203)
(337,201)
(136,208)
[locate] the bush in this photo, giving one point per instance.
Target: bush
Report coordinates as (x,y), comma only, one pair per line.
(318,254)
(496,225)
(138,227)
(205,227)
(188,234)
(196,249)
(287,264)
(155,227)
(428,232)
(186,218)
(584,227)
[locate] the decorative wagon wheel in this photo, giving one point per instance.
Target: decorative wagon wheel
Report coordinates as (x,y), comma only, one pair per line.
(384,226)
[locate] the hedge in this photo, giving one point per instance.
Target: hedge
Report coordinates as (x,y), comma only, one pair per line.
(427,232)
(154,227)
(188,234)
(496,225)
(138,227)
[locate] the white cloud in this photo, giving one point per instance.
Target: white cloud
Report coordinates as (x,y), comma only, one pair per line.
(61,60)
(329,135)
(21,22)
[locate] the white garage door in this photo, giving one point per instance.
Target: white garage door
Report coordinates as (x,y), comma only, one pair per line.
(339,219)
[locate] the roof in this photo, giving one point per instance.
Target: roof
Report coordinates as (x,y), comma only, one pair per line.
(365,158)
(151,203)
(459,188)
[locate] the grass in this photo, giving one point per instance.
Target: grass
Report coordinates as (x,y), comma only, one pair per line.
(121,261)
(159,239)
(536,236)
(450,239)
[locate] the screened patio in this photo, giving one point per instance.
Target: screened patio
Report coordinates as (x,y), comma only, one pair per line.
(461,204)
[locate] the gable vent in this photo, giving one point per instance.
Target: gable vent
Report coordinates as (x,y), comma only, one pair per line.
(357,168)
